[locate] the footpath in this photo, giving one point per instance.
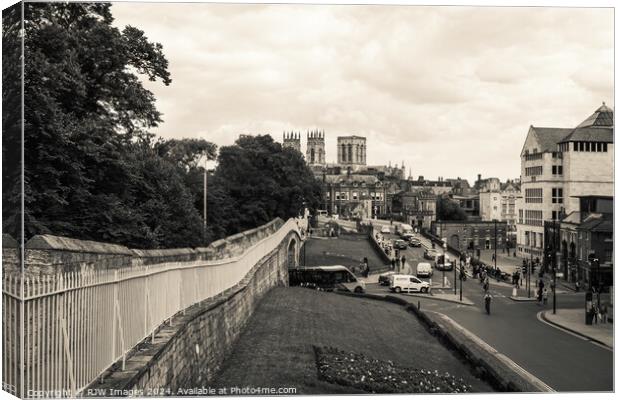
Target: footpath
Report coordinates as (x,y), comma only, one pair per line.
(573,320)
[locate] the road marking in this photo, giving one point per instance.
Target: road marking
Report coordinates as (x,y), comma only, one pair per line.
(584,338)
(502,357)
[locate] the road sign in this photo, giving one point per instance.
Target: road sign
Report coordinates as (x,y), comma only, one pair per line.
(559,274)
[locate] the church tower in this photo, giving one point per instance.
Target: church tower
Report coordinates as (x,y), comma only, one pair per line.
(292,140)
(315,148)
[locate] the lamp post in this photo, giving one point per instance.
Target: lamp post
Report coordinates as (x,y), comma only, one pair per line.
(495,244)
(204,210)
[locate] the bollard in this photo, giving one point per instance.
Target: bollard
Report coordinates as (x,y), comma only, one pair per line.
(514,292)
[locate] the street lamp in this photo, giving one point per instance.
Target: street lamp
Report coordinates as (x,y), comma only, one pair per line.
(204,210)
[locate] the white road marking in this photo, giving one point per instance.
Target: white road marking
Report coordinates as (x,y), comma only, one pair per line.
(584,338)
(502,357)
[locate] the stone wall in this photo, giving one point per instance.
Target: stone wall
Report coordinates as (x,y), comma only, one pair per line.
(50,254)
(187,353)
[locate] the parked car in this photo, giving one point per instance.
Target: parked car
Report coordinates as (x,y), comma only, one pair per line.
(385,229)
(415,242)
(407,236)
(430,254)
(444,263)
(400,244)
(424,269)
(408,283)
(384,278)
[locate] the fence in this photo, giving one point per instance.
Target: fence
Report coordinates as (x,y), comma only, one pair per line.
(76,325)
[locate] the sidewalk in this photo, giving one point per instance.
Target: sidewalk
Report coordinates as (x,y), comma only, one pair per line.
(574,321)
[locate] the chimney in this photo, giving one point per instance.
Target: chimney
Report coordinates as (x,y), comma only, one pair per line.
(479,177)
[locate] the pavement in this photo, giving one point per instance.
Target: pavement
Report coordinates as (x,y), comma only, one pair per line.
(573,320)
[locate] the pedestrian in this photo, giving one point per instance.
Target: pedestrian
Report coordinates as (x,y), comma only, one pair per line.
(487,303)
(393,263)
(366,268)
(545,295)
(403,259)
(596,313)
(576,286)
(604,313)
(485,286)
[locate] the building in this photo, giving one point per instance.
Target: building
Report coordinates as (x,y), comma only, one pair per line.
(438,187)
(499,202)
(419,207)
(471,235)
(292,140)
(470,203)
(315,148)
(578,237)
(354,195)
(351,150)
(557,166)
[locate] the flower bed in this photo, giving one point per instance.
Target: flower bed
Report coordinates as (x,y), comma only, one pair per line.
(378,376)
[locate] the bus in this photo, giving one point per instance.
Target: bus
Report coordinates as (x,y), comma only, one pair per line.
(329,278)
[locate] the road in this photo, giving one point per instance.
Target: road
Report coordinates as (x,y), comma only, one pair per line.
(563,361)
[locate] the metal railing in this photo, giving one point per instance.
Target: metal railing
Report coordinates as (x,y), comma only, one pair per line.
(76,325)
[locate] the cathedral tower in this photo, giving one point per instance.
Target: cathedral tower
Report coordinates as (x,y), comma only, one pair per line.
(292,140)
(315,147)
(351,150)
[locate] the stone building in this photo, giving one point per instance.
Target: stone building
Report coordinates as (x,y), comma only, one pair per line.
(583,233)
(292,140)
(557,166)
(499,202)
(315,148)
(471,235)
(351,150)
(354,195)
(418,207)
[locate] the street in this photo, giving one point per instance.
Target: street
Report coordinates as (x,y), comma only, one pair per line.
(563,361)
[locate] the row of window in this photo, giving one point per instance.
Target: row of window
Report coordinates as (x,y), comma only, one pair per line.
(597,147)
(533,195)
(533,171)
(532,217)
(356,195)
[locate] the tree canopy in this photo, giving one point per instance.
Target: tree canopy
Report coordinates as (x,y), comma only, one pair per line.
(449,210)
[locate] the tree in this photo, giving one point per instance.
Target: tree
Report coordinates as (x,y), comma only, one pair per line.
(449,210)
(257,180)
(92,169)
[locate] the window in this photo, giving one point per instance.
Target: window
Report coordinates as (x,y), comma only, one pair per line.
(354,195)
(533,195)
(605,147)
(557,195)
(598,146)
(533,217)
(327,194)
(520,216)
(556,169)
(575,146)
(554,215)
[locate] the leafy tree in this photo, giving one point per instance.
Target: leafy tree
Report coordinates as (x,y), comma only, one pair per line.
(449,210)
(92,170)
(258,180)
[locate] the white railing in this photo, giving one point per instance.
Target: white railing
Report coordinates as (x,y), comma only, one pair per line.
(76,325)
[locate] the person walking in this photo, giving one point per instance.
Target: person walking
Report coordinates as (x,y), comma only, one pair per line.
(402,260)
(541,286)
(366,268)
(393,263)
(485,286)
(487,303)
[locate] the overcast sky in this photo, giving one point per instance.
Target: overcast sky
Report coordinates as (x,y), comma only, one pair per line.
(451,91)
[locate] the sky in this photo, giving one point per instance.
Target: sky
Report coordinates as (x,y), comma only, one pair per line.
(451,91)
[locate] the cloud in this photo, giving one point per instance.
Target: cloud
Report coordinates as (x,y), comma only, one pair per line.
(449,90)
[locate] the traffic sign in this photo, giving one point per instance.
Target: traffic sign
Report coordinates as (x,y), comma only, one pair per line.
(559,274)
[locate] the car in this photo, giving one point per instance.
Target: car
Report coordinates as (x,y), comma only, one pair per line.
(444,264)
(430,254)
(415,242)
(384,278)
(400,244)
(424,269)
(408,283)
(386,229)
(407,236)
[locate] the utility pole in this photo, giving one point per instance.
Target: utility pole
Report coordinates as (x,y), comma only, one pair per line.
(204,211)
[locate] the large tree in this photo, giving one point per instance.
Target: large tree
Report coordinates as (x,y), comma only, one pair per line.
(92,170)
(257,180)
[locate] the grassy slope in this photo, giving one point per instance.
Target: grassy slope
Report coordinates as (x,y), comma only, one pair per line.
(339,250)
(275,349)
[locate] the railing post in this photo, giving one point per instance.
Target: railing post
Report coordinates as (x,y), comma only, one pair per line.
(65,335)
(114,316)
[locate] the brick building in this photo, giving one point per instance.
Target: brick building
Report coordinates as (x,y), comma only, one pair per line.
(418,207)
(471,235)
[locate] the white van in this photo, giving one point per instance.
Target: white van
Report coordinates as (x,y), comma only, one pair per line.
(408,283)
(424,269)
